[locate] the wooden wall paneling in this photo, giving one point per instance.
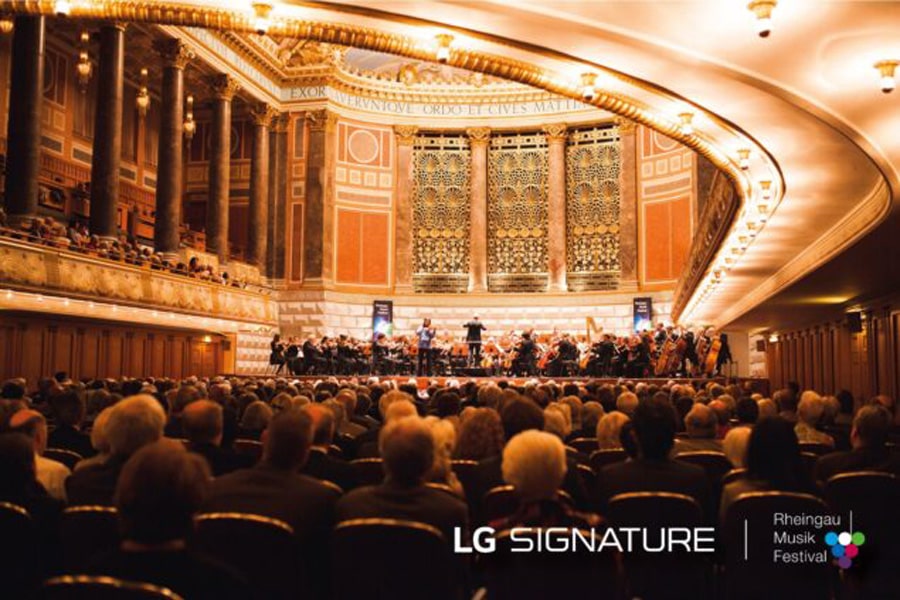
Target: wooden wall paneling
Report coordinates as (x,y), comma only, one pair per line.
(62,351)
(32,353)
(158,355)
(818,381)
(113,365)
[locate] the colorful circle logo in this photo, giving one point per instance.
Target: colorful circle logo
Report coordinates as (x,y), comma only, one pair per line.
(845,546)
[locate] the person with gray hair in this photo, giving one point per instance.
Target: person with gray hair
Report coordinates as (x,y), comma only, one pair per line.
(701,425)
(870,451)
(50,473)
(203,424)
(407,448)
(133,423)
(809,414)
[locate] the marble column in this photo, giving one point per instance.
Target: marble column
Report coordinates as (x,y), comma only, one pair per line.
(403,256)
(479,138)
(556,206)
(318,237)
(628,233)
(107,150)
(277,197)
(170,159)
(224,87)
(258,219)
(23,137)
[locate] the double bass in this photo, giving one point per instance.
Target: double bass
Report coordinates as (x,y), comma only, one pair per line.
(712,356)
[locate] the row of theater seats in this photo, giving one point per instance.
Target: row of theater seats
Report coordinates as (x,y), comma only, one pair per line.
(384,558)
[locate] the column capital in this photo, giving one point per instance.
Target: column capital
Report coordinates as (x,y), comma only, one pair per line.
(479,135)
(263,114)
(555,132)
(321,119)
(173,52)
(280,123)
(406,134)
(224,86)
(625,125)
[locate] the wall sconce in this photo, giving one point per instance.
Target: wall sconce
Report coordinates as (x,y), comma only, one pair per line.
(773,339)
(687,123)
(443,47)
(887,69)
(765,188)
(744,158)
(763,11)
(6,23)
(143,96)
(588,91)
(262,19)
(83,67)
(189,126)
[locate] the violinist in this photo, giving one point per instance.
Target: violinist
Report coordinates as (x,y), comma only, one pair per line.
(276,357)
(292,357)
(314,361)
(566,351)
(424,361)
(381,355)
(600,363)
(524,362)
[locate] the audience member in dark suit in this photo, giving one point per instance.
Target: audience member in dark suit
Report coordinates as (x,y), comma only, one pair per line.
(202,422)
(159,491)
(186,394)
(519,415)
(870,452)
(651,470)
(68,410)
(320,464)
(407,449)
(275,489)
(773,463)
(133,423)
(700,424)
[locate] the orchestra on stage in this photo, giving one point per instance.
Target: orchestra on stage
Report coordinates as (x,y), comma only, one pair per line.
(665,352)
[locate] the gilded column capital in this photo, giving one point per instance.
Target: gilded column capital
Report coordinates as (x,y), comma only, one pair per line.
(224,86)
(406,134)
(321,119)
(479,135)
(280,123)
(625,125)
(556,132)
(263,114)
(173,52)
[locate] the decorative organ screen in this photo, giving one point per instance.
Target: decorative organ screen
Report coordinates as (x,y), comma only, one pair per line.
(441,204)
(592,209)
(517,213)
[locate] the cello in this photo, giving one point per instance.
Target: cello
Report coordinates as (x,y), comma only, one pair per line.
(712,356)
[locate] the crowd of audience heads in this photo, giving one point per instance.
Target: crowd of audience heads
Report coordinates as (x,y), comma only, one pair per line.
(163,451)
(76,238)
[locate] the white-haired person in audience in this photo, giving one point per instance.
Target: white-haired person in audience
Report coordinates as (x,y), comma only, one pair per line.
(627,403)
(444,434)
(255,419)
(98,440)
(767,408)
(609,430)
(534,463)
(50,473)
(735,446)
(701,425)
(133,423)
(407,449)
(399,407)
(809,415)
(555,421)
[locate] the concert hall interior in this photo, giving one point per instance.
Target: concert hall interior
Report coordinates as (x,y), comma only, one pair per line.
(253,209)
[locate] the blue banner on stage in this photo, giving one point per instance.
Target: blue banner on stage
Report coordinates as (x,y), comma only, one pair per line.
(643,314)
(382,317)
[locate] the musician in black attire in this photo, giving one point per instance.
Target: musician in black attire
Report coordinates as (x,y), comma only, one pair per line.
(523,364)
(292,357)
(346,357)
(638,358)
(473,338)
(381,362)
(276,357)
(313,360)
(690,354)
(567,351)
(600,363)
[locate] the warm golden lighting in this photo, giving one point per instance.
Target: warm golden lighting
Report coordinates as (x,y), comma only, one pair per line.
(687,123)
(588,80)
(443,47)
(262,18)
(62,8)
(143,96)
(6,24)
(744,158)
(887,70)
(189,126)
(763,11)
(765,187)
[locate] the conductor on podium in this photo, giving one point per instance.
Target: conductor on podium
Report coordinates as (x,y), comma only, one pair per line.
(473,338)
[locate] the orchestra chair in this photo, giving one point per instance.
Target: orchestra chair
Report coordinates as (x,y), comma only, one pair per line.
(85,532)
(816,448)
(602,458)
(873,498)
(733,475)
(664,574)
(247,447)
(87,587)
(61,455)
(580,574)
(585,445)
(369,471)
(747,539)
(427,568)
(19,551)
(263,549)
(715,464)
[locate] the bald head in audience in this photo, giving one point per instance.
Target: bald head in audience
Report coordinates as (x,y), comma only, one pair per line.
(202,421)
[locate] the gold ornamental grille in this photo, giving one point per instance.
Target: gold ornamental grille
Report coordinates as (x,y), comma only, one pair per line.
(441,205)
(593,161)
(517,213)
